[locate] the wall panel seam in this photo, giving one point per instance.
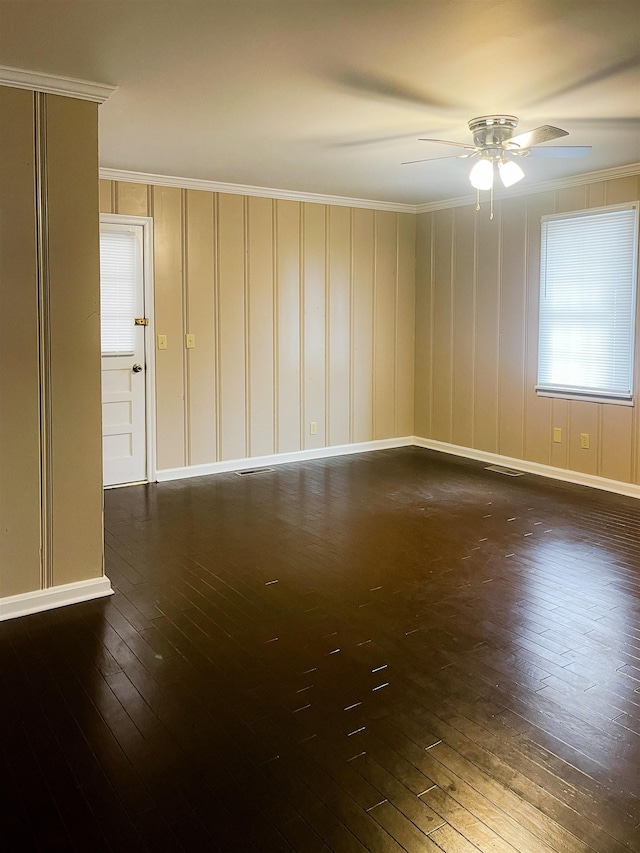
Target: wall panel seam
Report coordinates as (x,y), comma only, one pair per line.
(432,272)
(352,272)
(276,330)
(327,325)
(395,327)
(274,325)
(525,332)
(44,339)
(374,327)
(302,217)
(474,333)
(247,326)
(599,421)
(634,461)
(186,322)
(499,275)
(452,310)
(216,308)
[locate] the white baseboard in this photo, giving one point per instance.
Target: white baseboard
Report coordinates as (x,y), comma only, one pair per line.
(620,488)
(56,596)
(567,476)
(280,458)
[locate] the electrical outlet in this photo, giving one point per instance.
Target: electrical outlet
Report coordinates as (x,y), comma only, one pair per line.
(584,440)
(190,341)
(313,428)
(162,341)
(557,435)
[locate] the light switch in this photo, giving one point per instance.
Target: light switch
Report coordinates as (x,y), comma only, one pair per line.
(162,341)
(190,341)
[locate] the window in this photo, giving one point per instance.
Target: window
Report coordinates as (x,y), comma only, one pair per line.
(120,257)
(588,275)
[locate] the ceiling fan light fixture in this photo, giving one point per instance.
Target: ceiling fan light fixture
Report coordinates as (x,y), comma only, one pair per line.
(494,144)
(510,172)
(481,175)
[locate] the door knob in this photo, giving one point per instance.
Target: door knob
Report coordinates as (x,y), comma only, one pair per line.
(137,368)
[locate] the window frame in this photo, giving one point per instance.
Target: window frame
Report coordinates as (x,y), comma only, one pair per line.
(566,392)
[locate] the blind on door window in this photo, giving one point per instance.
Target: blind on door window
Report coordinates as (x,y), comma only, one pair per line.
(587,303)
(118,268)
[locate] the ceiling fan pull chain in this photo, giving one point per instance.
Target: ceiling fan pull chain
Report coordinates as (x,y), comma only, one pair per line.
(491,202)
(477,199)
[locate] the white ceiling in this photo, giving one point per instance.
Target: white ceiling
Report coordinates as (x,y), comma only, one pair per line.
(330,96)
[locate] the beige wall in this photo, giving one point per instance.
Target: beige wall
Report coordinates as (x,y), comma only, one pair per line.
(20,568)
(301,312)
(305,312)
(50,469)
(477,290)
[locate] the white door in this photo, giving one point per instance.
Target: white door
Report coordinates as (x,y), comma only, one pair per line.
(123,354)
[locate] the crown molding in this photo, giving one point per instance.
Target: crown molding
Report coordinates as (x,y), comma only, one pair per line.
(557,184)
(242,189)
(52,84)
(369,204)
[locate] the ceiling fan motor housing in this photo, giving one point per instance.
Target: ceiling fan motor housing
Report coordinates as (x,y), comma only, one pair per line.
(491,132)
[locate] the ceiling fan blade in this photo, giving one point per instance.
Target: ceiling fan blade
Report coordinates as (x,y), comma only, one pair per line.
(561,151)
(447,142)
(545,133)
(450,157)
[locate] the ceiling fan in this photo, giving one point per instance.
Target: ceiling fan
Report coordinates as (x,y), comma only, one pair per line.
(495,146)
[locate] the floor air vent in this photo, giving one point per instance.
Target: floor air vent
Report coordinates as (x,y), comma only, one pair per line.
(508,471)
(253,471)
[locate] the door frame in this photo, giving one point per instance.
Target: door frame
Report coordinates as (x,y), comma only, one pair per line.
(149,338)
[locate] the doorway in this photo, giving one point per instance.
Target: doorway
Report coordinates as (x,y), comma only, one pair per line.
(127,351)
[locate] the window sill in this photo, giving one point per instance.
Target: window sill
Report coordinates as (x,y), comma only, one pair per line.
(565,394)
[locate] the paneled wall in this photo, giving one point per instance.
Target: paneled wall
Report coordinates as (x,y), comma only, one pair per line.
(301,312)
(20,564)
(477,291)
(50,459)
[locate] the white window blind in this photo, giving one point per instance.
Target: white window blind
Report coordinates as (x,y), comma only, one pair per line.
(587,303)
(118,270)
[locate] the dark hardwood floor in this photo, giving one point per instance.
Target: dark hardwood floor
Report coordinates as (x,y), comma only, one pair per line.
(390,651)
